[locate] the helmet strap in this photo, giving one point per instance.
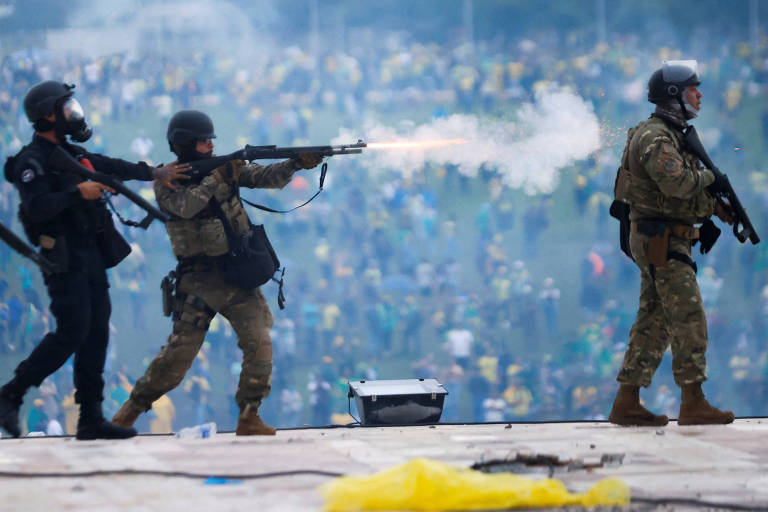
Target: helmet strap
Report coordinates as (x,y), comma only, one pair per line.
(687,114)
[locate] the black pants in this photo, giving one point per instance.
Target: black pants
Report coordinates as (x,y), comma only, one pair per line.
(80,303)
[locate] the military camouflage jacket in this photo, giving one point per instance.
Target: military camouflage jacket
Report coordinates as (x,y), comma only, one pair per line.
(658,178)
(195,229)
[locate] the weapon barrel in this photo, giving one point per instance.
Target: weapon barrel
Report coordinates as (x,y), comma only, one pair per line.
(202,168)
(269,153)
(63,160)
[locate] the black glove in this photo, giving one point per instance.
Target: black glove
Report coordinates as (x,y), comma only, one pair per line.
(708,235)
(307,160)
(720,184)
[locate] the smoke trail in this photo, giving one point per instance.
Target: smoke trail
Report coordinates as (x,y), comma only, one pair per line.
(527,151)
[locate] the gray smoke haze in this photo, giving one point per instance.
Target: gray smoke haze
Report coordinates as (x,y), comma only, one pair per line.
(528,151)
(173,27)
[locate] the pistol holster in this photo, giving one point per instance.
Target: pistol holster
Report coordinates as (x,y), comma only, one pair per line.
(168,285)
(658,232)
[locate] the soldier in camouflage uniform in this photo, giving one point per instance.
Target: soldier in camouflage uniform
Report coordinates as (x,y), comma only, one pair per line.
(668,192)
(198,238)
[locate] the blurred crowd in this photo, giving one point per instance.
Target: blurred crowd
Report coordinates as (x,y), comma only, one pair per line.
(519,304)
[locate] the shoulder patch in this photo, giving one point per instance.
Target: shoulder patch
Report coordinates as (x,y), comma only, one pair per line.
(28,161)
(670,164)
(27,175)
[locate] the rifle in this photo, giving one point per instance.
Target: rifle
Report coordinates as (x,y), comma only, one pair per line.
(202,168)
(693,143)
(63,160)
(20,246)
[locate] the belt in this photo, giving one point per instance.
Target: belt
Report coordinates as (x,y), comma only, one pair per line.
(196,264)
(684,231)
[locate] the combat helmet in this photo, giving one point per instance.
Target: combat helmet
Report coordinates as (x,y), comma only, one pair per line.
(56,97)
(670,81)
(189,125)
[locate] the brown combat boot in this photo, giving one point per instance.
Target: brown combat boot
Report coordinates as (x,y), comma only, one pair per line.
(127,415)
(250,424)
(695,410)
(627,410)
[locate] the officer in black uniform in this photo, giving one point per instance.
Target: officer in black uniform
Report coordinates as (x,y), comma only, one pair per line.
(68,219)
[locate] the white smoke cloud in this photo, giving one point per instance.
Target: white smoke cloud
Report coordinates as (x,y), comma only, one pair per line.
(528,151)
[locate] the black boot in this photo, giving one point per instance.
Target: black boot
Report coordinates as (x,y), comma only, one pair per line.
(11,397)
(92,425)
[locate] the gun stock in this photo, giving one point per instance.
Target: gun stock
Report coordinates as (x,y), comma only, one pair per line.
(742,226)
(63,160)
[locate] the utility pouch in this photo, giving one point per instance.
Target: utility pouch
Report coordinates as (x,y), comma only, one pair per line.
(251,260)
(658,241)
(55,251)
(168,286)
(112,245)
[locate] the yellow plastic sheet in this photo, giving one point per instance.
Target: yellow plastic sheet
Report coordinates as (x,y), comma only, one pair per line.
(423,484)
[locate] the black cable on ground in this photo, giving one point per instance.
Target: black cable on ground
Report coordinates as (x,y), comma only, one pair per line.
(174,474)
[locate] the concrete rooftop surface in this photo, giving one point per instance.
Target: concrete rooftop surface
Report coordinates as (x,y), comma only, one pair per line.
(717,464)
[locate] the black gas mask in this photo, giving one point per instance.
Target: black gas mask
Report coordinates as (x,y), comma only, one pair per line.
(70,120)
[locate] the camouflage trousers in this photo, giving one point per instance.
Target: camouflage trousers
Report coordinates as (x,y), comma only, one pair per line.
(251,319)
(670,312)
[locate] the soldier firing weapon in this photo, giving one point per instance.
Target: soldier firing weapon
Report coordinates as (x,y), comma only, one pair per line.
(202,168)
